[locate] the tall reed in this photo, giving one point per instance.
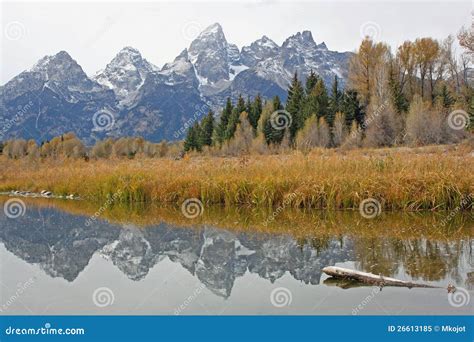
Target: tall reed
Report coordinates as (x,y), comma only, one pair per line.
(399,179)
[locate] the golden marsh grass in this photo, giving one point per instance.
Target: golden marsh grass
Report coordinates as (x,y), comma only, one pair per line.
(406,179)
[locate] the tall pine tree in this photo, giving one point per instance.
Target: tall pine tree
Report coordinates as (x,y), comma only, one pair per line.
(192,141)
(224,121)
(294,104)
(207,129)
(234,119)
(255,111)
(316,102)
(352,108)
(335,102)
(446,99)
(271,135)
(311,81)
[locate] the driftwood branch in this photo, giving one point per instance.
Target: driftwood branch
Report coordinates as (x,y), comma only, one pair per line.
(369,278)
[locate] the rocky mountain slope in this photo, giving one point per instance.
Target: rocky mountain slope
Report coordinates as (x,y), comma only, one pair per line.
(131,96)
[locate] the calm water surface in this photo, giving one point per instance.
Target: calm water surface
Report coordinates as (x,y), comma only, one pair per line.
(52,262)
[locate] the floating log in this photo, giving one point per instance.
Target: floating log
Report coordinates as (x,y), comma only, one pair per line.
(369,278)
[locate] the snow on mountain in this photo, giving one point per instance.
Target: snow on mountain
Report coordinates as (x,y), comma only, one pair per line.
(259,50)
(209,54)
(55,96)
(267,68)
(233,54)
(125,74)
(179,70)
(155,103)
(301,54)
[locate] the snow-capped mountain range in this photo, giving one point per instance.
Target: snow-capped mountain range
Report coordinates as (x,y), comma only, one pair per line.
(139,98)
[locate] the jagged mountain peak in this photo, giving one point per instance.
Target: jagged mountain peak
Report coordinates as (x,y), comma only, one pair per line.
(59,71)
(211,37)
(214,29)
(128,54)
(300,39)
(130,49)
(322,46)
(129,58)
(266,41)
(155,103)
(259,50)
(126,73)
(209,53)
(61,56)
(306,34)
(58,66)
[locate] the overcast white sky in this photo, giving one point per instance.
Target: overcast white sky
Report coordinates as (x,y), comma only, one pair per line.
(94,32)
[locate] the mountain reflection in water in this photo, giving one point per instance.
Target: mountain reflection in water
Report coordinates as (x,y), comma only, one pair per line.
(62,245)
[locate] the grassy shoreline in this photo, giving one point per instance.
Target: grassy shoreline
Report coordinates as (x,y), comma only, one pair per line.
(436,178)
